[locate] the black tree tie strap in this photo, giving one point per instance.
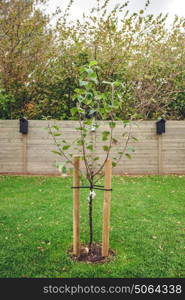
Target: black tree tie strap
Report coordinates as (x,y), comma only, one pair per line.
(96,187)
(80,187)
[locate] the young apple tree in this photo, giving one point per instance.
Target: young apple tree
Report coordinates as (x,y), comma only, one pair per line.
(97,115)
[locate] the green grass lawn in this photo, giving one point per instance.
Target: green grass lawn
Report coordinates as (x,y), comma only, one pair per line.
(147,227)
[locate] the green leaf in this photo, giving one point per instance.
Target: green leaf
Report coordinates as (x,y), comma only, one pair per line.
(114,164)
(56,127)
(134,139)
(78,91)
(80,98)
(82,70)
(96,158)
(112,124)
(80,142)
(105,148)
(81,110)
(56,152)
(117,83)
(115,141)
(83,83)
(88,122)
(102,111)
(131,149)
(90,147)
(92,63)
(126,122)
(92,75)
(94,80)
(79,128)
(89,96)
(66,147)
(56,134)
(73,110)
(128,155)
(105,135)
(92,111)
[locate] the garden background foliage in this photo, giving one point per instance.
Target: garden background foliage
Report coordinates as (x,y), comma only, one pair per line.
(41,57)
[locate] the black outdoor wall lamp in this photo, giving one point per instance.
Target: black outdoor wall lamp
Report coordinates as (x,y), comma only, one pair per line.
(160,126)
(23,125)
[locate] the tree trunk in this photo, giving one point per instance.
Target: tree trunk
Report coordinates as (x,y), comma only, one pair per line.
(90,223)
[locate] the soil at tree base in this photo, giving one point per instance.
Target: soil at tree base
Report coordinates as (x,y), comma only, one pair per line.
(93,256)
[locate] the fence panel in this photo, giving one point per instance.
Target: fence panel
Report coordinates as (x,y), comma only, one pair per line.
(31,153)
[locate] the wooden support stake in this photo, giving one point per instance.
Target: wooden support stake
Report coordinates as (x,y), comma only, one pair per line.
(106,208)
(76,207)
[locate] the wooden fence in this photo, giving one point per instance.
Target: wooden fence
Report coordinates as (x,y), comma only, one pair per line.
(31,153)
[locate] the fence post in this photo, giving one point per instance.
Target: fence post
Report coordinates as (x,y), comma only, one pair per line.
(160,154)
(106,208)
(24,153)
(76,207)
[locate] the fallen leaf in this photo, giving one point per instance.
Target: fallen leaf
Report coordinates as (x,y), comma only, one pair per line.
(41,249)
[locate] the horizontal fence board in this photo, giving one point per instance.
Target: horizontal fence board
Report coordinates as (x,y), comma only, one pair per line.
(9,124)
(31,153)
(11,158)
(13,167)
